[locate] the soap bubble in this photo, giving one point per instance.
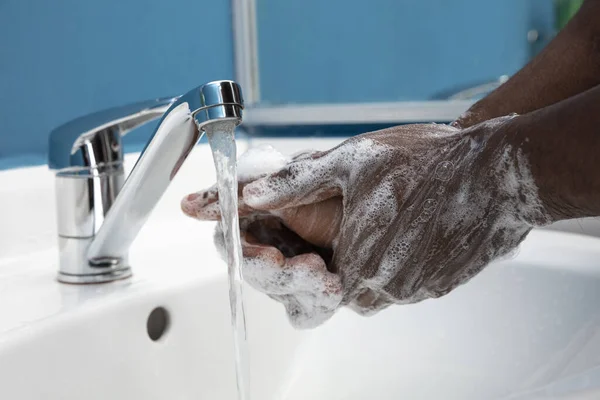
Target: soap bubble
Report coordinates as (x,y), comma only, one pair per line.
(444,171)
(429,204)
(259,161)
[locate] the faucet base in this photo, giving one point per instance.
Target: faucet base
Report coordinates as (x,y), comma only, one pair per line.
(103,277)
(76,267)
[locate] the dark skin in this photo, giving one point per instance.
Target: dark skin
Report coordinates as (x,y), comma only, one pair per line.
(506,175)
(567,66)
(563,144)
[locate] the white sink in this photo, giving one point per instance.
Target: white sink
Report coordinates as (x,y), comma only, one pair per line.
(525,328)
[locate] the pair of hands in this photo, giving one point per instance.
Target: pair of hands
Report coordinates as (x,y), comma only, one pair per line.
(389,217)
(411,212)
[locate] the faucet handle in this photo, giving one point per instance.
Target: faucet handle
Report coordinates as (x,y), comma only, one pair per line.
(94,140)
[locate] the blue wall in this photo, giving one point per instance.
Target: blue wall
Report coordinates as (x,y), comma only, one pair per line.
(61,59)
(387,50)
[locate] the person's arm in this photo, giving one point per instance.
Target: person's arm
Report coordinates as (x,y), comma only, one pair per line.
(568,65)
(412,212)
(562,144)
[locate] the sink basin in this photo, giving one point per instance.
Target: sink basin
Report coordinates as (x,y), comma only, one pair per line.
(97,345)
(522,324)
(525,328)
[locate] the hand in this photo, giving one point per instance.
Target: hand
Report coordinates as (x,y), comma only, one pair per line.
(424,208)
(289,266)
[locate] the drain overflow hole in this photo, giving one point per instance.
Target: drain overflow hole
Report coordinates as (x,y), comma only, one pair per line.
(158,323)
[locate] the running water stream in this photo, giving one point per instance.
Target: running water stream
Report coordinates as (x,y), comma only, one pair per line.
(222,143)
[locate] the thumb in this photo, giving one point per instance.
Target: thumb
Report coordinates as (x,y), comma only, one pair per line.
(318,224)
(305,181)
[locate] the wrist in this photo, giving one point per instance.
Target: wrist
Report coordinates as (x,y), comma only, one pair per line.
(549,165)
(507,170)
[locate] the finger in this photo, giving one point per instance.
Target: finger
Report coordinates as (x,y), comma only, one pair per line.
(305,181)
(309,293)
(212,211)
(251,250)
(192,203)
(317,293)
(195,201)
(267,270)
(264,269)
(204,205)
(370,302)
(310,275)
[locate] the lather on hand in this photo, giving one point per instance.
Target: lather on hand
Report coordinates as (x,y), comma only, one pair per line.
(394,216)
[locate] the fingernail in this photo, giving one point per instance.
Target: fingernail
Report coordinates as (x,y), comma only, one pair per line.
(192,196)
(187,209)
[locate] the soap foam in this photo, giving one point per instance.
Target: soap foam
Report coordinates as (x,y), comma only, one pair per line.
(259,161)
(309,293)
(410,197)
(307,178)
(424,222)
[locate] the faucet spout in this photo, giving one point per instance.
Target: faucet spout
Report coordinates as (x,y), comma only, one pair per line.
(101,254)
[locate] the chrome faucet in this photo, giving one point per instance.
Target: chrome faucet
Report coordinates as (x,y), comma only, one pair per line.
(99,212)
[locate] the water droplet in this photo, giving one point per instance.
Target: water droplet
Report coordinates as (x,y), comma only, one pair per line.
(465,246)
(444,171)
